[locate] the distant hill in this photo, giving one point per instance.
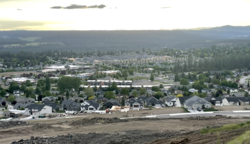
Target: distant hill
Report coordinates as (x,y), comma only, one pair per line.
(121,40)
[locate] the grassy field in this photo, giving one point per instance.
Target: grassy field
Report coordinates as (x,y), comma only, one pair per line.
(242,139)
(225,128)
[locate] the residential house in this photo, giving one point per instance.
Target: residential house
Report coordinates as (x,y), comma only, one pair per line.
(197,103)
(235,101)
(49,99)
(178,92)
(70,105)
(55,106)
(111,103)
(20,105)
(37,110)
(90,106)
(216,101)
(77,99)
(180,101)
(192,90)
(170,100)
(134,104)
(152,101)
(18,93)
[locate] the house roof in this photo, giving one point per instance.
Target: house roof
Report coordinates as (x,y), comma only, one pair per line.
(53,105)
(21,105)
(195,99)
(35,106)
(169,98)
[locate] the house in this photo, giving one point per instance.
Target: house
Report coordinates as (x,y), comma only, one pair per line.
(152,101)
(77,99)
(55,106)
(170,100)
(99,92)
(192,90)
(37,110)
(54,92)
(18,93)
(233,90)
(21,99)
(90,106)
(178,92)
(197,103)
(208,91)
(20,105)
(134,104)
(216,101)
(142,98)
(180,101)
(111,103)
(70,105)
(235,101)
(101,99)
(49,99)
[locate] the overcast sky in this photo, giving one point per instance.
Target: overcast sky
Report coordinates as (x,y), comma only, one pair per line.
(123,14)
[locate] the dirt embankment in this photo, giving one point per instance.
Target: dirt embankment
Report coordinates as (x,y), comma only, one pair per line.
(9,124)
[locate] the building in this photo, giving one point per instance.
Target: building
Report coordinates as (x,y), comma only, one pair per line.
(38,110)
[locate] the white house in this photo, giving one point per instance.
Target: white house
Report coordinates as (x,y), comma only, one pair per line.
(134,104)
(90,106)
(193,90)
(170,100)
(37,110)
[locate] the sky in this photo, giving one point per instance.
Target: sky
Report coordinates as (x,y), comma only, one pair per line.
(123,14)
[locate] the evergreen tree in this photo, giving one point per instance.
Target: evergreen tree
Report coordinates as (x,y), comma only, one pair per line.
(246,94)
(228,91)
(47,84)
(123,101)
(176,78)
(152,77)
(67,94)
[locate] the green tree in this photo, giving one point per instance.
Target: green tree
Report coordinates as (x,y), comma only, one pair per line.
(161,86)
(47,93)
(176,78)
(109,95)
(124,91)
(68,83)
(228,91)
(67,94)
(152,77)
(142,91)
(134,93)
(159,95)
(123,101)
(246,94)
(11,98)
(184,82)
(28,83)
(89,92)
(37,91)
(155,88)
(13,86)
(47,84)
(3,93)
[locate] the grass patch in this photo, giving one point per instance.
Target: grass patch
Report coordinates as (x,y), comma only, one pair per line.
(225,128)
(185,109)
(244,138)
(211,109)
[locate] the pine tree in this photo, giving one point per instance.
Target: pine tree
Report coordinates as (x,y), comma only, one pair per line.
(47,84)
(123,101)
(152,77)
(67,94)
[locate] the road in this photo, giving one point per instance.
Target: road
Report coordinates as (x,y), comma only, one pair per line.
(186,115)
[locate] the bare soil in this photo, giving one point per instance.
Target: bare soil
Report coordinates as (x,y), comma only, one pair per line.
(8,74)
(131,131)
(231,108)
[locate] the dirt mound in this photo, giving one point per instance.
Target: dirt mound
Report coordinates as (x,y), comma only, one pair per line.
(138,137)
(96,120)
(9,124)
(41,126)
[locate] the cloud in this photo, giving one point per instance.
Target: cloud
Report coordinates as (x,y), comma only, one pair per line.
(10,24)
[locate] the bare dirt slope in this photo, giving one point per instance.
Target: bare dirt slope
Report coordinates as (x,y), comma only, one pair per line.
(149,129)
